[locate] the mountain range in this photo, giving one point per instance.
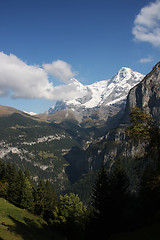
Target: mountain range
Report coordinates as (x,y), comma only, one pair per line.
(68,153)
(100,100)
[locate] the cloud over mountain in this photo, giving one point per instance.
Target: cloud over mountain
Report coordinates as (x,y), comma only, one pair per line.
(20,80)
(60,70)
(147,24)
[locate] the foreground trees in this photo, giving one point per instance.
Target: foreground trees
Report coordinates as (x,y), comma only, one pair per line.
(112,209)
(108,202)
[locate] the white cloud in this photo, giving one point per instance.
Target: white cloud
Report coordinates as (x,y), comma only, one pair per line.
(22,80)
(147,24)
(19,80)
(60,70)
(146,60)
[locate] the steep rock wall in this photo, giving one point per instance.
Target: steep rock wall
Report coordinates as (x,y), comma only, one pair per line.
(146,95)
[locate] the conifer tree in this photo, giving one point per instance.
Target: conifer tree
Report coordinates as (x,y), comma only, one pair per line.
(11,180)
(100,193)
(108,201)
(119,183)
(20,191)
(16,188)
(3,172)
(27,200)
(50,200)
(39,198)
(100,203)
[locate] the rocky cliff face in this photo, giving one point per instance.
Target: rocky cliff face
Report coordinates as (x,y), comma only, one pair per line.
(146,95)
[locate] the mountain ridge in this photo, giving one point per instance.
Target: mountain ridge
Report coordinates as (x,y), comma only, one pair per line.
(101,99)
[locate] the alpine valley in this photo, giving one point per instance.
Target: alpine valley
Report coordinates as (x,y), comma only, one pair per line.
(68,143)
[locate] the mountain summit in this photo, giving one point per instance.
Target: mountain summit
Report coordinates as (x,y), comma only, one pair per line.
(101,99)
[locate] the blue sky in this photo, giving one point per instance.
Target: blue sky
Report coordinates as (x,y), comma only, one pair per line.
(45,42)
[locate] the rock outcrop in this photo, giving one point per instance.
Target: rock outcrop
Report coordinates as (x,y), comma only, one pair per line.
(146,95)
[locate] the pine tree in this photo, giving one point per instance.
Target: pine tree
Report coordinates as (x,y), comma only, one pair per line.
(3,172)
(11,175)
(16,188)
(50,200)
(27,200)
(119,183)
(100,203)
(100,193)
(109,199)
(20,191)
(39,198)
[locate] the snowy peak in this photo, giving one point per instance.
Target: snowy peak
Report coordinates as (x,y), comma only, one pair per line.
(101,94)
(121,83)
(125,74)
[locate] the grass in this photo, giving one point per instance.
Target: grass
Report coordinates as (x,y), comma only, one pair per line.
(19,224)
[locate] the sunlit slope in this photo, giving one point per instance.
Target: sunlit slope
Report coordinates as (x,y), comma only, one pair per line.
(19,224)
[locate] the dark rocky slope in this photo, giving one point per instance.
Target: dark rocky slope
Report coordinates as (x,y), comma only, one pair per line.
(146,95)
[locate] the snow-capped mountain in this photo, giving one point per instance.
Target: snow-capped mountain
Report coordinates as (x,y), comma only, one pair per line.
(101,99)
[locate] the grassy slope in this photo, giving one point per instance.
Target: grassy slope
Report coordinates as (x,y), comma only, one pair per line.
(19,224)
